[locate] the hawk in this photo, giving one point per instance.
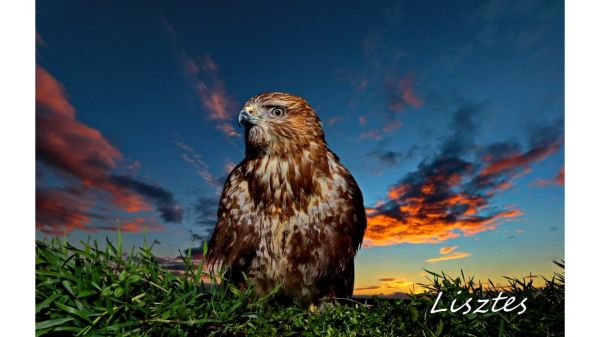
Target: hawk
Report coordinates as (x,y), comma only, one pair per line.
(290,213)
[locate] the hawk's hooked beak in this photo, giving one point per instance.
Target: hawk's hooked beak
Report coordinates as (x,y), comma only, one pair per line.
(246,118)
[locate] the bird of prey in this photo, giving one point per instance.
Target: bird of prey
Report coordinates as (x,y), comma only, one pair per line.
(290,213)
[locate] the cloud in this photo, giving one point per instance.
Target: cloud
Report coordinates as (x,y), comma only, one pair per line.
(558,180)
(194,159)
(334,120)
(208,84)
(72,148)
(133,166)
(134,225)
(453,256)
(61,210)
(426,207)
(39,40)
(164,201)
(373,134)
(401,92)
(357,82)
(506,161)
(392,158)
(387,286)
(229,166)
(81,157)
(560,177)
(377,134)
(63,142)
(386,156)
(446,250)
(520,160)
(350,76)
(452,193)
(228,130)
(205,212)
(58,212)
(367,288)
(210,87)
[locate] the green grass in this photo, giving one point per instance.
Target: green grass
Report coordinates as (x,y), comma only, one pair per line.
(89,291)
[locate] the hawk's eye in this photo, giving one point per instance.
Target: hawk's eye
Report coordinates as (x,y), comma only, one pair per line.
(277,112)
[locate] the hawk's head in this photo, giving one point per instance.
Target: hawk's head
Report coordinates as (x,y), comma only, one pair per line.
(278,123)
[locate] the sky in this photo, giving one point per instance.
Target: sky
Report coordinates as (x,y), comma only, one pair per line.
(448,114)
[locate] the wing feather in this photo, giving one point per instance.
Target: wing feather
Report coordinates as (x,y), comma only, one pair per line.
(234,239)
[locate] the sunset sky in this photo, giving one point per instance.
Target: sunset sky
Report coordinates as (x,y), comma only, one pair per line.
(448,114)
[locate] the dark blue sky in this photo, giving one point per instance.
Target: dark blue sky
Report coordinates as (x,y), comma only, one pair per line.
(400,88)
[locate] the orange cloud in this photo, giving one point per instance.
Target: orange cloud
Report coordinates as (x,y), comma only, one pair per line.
(74,150)
(423,215)
(58,212)
(377,134)
(446,250)
(396,192)
(366,288)
(428,211)
(451,194)
(210,87)
(214,101)
(388,286)
(125,199)
(402,92)
(64,142)
(560,177)
(519,160)
(453,256)
(558,180)
(408,92)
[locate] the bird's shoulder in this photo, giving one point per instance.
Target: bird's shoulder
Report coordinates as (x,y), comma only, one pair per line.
(345,186)
(337,171)
(234,189)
